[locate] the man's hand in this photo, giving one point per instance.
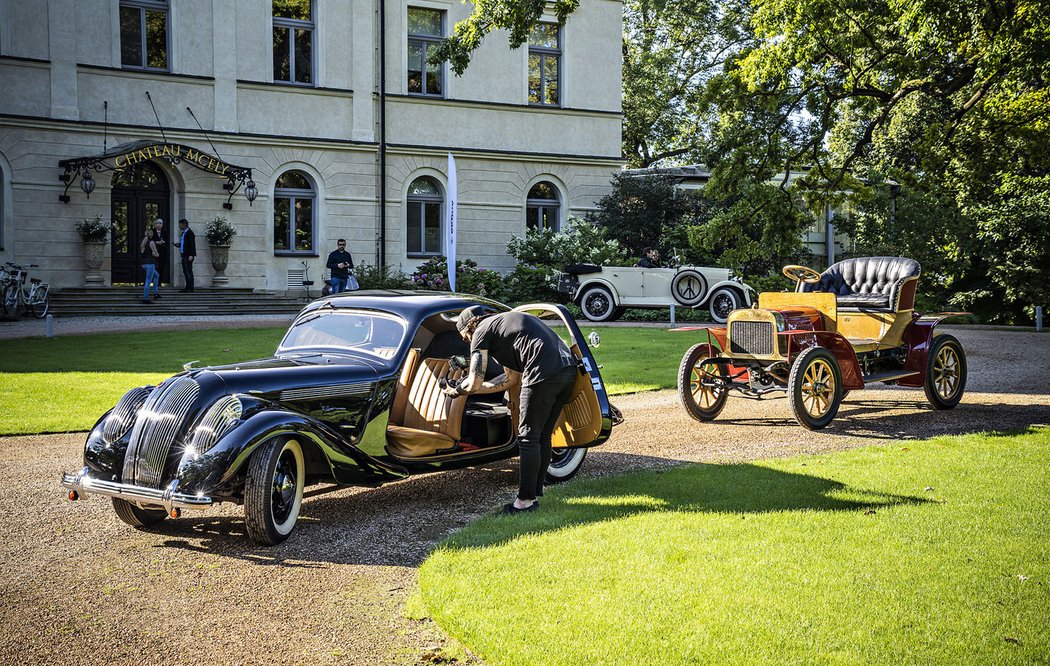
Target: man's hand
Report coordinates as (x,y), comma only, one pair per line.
(452,390)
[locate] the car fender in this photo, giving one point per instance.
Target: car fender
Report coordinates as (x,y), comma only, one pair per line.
(221,465)
(799,341)
(596,282)
(917,336)
(742,289)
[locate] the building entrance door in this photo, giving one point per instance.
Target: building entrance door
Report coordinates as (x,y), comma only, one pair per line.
(140,195)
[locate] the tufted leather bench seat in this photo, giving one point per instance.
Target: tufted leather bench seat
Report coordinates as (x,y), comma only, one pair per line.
(870,283)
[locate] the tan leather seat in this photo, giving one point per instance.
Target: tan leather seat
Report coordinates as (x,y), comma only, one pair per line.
(423,420)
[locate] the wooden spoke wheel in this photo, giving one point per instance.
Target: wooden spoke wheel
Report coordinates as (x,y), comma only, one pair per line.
(945,372)
(699,384)
(815,388)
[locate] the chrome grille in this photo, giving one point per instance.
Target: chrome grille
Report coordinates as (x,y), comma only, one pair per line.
(318,392)
(154,432)
(122,416)
(751,337)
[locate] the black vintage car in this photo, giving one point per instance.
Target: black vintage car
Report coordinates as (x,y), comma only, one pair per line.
(352,396)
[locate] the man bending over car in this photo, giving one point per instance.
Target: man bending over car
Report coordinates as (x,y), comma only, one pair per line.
(522,343)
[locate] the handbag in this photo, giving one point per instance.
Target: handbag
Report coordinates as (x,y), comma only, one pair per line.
(351,283)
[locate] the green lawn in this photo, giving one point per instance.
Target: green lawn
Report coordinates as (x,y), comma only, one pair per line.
(64,384)
(934,552)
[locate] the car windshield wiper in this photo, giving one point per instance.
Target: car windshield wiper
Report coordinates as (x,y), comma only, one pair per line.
(315,314)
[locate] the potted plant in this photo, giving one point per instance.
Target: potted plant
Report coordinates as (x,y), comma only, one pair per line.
(220,233)
(95,234)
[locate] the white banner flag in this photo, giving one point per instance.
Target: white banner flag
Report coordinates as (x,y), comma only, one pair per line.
(451,223)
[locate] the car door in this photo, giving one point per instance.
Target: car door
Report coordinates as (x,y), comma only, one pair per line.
(587,419)
(656,285)
(628,283)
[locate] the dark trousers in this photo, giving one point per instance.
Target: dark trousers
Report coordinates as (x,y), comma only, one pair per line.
(541,404)
(187,272)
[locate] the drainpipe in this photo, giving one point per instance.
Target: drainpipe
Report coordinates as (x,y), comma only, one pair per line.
(381,253)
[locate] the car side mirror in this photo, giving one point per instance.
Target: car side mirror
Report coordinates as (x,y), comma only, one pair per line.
(594,339)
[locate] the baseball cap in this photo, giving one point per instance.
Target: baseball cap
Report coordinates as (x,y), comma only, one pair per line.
(467,314)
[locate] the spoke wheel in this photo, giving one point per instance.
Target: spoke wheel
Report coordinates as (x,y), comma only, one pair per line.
(273,491)
(565,463)
(815,388)
(597,304)
(945,372)
(40,303)
(12,302)
(698,388)
(723,302)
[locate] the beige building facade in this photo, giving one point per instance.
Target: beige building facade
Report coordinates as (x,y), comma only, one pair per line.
(292,91)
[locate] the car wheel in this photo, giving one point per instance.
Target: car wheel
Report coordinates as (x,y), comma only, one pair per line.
(722,303)
(597,304)
(815,388)
(701,400)
(273,491)
(689,288)
(135,516)
(564,464)
(945,372)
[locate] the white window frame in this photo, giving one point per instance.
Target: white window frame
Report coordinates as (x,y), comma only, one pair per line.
(423,199)
(544,53)
(545,203)
(143,6)
(291,25)
(427,41)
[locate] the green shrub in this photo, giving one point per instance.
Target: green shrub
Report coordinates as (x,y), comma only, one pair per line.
(433,275)
(93,230)
(219,231)
(528,284)
(375,277)
(579,242)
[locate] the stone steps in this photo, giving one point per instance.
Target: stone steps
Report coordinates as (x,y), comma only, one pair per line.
(127,301)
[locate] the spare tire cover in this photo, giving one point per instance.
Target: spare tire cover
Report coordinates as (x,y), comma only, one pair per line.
(689,288)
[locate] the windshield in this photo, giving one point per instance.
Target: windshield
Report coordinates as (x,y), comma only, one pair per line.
(373,333)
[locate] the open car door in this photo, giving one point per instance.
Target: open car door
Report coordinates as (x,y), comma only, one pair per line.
(587,419)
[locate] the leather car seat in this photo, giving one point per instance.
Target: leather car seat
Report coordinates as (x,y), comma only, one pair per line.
(870,283)
(423,420)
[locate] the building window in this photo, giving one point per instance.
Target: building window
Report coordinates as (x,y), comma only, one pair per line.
(293,41)
(294,214)
(424,218)
(545,64)
(144,34)
(425,30)
(542,207)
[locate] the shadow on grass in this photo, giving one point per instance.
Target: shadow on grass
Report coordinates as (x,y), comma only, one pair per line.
(867,418)
(399,524)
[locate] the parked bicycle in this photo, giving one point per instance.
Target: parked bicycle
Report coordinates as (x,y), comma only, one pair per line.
(16,297)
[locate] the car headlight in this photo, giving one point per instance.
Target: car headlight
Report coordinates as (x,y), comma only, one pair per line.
(218,420)
(122,417)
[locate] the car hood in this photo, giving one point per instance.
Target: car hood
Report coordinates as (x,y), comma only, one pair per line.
(282,373)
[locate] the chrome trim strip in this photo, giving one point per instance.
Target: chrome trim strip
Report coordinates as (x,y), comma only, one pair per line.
(337,390)
(123,415)
(168,497)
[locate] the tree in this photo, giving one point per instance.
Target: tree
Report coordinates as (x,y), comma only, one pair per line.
(516,16)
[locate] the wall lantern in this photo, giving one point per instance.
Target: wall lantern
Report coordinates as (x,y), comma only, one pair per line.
(250,192)
(87,183)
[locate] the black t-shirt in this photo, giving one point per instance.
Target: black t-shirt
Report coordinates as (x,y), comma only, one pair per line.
(523,343)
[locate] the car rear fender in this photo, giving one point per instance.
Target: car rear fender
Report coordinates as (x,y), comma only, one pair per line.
(742,290)
(799,341)
(917,336)
(597,282)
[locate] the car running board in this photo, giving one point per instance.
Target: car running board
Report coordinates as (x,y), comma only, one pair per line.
(888,376)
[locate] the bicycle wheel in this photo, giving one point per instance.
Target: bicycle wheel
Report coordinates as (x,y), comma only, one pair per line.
(12,301)
(40,301)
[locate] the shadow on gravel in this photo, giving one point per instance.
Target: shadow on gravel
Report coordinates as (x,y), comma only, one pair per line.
(399,524)
(869,419)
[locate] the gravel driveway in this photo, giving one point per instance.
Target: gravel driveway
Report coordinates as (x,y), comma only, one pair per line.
(78,586)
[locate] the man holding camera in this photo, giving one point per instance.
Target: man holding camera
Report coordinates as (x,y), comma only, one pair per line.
(340,263)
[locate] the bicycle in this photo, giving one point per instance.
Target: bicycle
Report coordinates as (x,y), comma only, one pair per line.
(17,297)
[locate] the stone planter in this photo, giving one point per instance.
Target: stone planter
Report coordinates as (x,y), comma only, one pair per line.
(94,254)
(220,257)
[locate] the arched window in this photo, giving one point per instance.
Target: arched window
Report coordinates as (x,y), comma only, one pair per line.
(294,214)
(542,208)
(423,237)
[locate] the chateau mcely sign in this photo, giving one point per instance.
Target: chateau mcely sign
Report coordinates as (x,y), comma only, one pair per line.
(173,152)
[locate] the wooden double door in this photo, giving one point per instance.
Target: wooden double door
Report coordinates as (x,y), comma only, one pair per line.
(140,196)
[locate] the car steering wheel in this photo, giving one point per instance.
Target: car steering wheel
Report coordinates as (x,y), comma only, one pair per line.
(801,274)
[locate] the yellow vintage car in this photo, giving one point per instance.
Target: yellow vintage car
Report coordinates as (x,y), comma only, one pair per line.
(852,325)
